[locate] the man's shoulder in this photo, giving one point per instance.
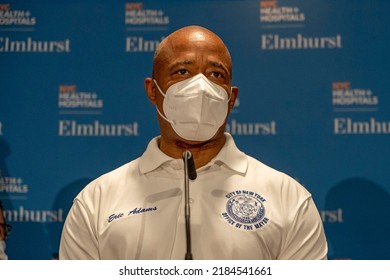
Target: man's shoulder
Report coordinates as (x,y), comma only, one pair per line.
(256,165)
(275,178)
(110,180)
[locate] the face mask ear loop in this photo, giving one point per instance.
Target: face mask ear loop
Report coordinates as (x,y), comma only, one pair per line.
(158,111)
(159,89)
(230,96)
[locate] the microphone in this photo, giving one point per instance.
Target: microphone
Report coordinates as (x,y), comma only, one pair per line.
(189,173)
(191,165)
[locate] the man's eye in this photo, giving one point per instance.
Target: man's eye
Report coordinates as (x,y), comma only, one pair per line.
(216,74)
(182,71)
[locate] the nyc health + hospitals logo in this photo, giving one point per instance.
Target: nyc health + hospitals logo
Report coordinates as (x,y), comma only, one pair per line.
(138,15)
(278,15)
(13,188)
(22,20)
(245,210)
(143,23)
(15,17)
(345,96)
(356,110)
(69,97)
(76,108)
(274,11)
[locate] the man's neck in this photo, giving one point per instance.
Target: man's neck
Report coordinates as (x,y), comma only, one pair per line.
(202,153)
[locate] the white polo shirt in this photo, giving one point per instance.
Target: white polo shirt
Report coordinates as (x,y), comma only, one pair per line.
(240,209)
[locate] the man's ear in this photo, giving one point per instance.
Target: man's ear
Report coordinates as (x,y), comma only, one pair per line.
(150,89)
(233,97)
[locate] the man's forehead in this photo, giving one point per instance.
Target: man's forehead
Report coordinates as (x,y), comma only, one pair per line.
(191,46)
(193,39)
(192,49)
(197,36)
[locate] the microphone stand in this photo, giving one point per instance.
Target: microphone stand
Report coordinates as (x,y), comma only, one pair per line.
(189,173)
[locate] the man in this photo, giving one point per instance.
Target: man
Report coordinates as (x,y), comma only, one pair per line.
(240,208)
(4,229)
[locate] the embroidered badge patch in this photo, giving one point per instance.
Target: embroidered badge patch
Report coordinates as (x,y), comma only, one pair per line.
(245,210)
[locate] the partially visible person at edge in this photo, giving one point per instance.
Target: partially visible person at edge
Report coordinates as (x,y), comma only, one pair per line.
(4,228)
(240,207)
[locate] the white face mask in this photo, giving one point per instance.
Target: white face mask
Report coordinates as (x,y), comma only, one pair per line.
(3,255)
(196,108)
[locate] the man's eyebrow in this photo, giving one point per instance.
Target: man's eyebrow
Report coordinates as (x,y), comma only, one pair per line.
(218,65)
(181,63)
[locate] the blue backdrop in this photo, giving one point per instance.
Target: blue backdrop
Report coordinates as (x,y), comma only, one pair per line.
(314,103)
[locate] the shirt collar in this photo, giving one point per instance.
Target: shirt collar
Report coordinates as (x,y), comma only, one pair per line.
(229,155)
(153,157)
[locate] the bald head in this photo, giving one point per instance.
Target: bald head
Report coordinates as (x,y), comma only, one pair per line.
(186,38)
